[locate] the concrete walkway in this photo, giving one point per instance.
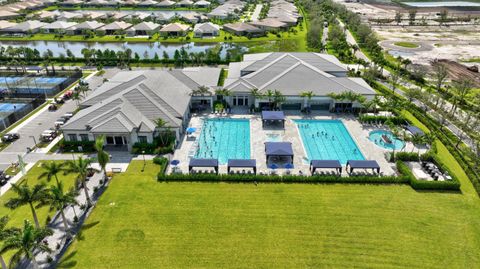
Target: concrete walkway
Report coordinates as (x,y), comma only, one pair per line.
(256,12)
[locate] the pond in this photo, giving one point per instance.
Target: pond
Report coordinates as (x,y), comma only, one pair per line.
(142,48)
(442,4)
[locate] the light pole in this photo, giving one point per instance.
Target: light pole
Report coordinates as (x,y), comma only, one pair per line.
(34,140)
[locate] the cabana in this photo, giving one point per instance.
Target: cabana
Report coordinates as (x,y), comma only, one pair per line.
(414,130)
(239,163)
(276,116)
(325,164)
(210,163)
(278,150)
(363,164)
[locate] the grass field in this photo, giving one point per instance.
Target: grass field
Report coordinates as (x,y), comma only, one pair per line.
(139,222)
(18,215)
(406,45)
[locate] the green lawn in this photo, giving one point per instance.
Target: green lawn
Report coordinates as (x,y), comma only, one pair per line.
(18,215)
(406,44)
(139,222)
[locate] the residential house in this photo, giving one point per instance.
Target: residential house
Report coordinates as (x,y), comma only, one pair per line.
(24,28)
(270,24)
(8,15)
(58,27)
(202,4)
(114,28)
(143,29)
(166,4)
(84,27)
(206,29)
(243,29)
(175,29)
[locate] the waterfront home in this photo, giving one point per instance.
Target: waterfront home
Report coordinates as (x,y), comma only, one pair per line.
(206,29)
(114,28)
(175,29)
(84,27)
(24,28)
(270,24)
(58,27)
(202,4)
(166,4)
(8,15)
(243,29)
(143,29)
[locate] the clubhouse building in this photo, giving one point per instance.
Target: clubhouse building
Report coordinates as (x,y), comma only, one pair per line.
(126,107)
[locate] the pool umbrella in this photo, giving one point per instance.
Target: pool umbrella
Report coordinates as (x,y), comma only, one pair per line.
(289,166)
(191,130)
(273,167)
(175,162)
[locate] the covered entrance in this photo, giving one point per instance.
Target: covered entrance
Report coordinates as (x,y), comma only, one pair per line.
(117,140)
(240,100)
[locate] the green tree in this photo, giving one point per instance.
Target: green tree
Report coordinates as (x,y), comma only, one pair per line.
(102,156)
(59,200)
(81,167)
(463,87)
(5,233)
(25,241)
(52,168)
(307,97)
(28,196)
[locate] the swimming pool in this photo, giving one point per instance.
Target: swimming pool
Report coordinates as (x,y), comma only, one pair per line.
(395,143)
(328,140)
(224,139)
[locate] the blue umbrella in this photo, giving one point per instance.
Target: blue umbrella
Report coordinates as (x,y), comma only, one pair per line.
(175,162)
(273,166)
(191,129)
(289,166)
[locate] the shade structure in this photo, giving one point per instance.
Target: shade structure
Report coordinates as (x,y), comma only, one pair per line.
(210,163)
(325,164)
(363,164)
(278,149)
(414,130)
(273,116)
(242,163)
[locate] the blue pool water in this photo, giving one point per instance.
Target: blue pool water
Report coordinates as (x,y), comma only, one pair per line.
(8,107)
(328,140)
(224,139)
(376,137)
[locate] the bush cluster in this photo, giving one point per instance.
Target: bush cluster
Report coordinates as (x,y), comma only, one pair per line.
(68,146)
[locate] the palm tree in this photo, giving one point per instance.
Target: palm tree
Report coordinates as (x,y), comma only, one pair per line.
(80,167)
(278,99)
(30,196)
(163,130)
(222,93)
(52,168)
(269,95)
(417,139)
(102,156)
(58,200)
(5,233)
(307,96)
(201,91)
(463,87)
(25,241)
(256,94)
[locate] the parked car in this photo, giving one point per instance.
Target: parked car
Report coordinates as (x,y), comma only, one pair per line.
(4,178)
(48,135)
(10,137)
(68,115)
(52,107)
(58,101)
(67,95)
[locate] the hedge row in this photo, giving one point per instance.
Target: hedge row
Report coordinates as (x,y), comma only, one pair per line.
(447,138)
(397,120)
(68,146)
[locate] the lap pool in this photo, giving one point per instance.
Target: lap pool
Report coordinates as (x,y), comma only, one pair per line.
(328,140)
(224,139)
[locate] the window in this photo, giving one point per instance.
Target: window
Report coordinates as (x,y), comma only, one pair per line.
(84,137)
(142,139)
(72,137)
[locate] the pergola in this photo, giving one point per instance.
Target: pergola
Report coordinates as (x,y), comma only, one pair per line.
(414,130)
(325,164)
(239,163)
(274,116)
(278,149)
(210,163)
(363,164)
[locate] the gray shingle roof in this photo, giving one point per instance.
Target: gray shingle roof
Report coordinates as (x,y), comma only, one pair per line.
(292,73)
(135,99)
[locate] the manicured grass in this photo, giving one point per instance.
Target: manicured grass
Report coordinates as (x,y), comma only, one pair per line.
(406,44)
(415,121)
(18,215)
(139,222)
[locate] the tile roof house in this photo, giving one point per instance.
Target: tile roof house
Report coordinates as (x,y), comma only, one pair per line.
(126,107)
(270,24)
(114,28)
(81,28)
(202,4)
(174,29)
(166,4)
(8,15)
(27,27)
(243,29)
(206,29)
(58,27)
(293,73)
(143,29)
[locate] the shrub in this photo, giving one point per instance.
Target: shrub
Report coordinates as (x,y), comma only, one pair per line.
(405,156)
(396,120)
(68,146)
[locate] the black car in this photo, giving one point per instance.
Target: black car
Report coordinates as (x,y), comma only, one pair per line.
(10,137)
(3,178)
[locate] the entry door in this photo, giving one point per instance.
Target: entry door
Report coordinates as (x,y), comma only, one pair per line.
(119,140)
(110,140)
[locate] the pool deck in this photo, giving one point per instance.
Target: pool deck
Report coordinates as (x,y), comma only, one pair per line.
(258,136)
